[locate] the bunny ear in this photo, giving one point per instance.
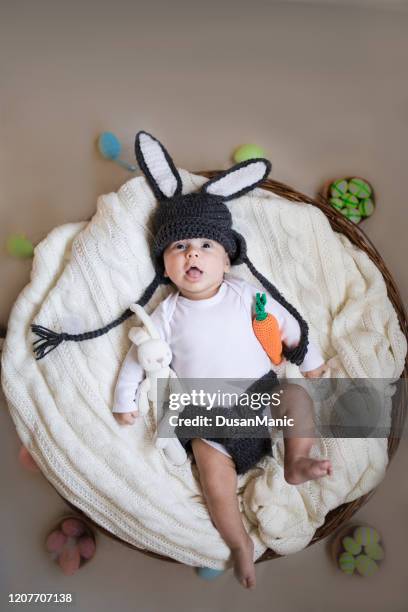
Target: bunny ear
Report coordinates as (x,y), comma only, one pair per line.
(239,179)
(146,320)
(138,336)
(157,166)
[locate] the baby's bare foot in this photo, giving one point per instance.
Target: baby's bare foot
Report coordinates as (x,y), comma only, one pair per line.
(302,469)
(243,560)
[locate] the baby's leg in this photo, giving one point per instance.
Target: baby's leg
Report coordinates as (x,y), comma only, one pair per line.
(218,479)
(297,404)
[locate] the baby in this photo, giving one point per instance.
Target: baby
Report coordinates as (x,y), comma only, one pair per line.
(207,324)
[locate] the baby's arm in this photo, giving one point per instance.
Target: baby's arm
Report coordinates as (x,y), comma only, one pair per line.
(313,364)
(129,384)
(127,389)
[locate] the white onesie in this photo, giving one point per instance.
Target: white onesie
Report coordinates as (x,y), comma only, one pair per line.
(213,338)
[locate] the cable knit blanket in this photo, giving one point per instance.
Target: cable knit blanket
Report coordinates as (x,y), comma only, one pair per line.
(86,274)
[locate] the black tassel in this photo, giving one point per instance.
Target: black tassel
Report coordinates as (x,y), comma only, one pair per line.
(48,340)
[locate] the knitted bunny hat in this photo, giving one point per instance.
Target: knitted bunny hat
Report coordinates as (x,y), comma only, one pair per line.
(202,214)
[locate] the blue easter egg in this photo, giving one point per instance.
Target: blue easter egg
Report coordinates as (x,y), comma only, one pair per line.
(207,573)
(109,145)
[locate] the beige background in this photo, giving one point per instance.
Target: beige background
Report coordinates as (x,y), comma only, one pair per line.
(323,88)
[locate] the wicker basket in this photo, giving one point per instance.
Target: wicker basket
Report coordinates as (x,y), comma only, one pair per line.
(339,223)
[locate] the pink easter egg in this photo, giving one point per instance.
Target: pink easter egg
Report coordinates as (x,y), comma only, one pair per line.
(73,527)
(27,461)
(86,547)
(69,560)
(55,541)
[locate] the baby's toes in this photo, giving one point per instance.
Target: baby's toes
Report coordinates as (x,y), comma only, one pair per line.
(247,582)
(250,583)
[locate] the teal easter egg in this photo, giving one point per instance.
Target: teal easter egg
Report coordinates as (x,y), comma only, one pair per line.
(366,566)
(349,199)
(360,188)
(248,151)
(366,535)
(366,207)
(347,563)
(351,546)
(207,573)
(375,551)
(109,145)
(339,188)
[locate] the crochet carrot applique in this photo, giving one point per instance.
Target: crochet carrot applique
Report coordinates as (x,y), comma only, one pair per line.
(266,330)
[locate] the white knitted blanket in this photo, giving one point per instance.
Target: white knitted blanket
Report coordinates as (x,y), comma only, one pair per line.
(85,274)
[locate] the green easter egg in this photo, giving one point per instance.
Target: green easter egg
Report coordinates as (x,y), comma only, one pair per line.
(248,151)
(374,551)
(351,546)
(337,203)
(19,246)
(359,188)
(366,566)
(349,199)
(338,188)
(347,563)
(366,535)
(356,218)
(366,207)
(353,214)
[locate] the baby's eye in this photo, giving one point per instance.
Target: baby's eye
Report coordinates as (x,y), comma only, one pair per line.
(207,244)
(179,246)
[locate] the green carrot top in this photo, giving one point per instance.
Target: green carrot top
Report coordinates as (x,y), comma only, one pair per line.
(260,307)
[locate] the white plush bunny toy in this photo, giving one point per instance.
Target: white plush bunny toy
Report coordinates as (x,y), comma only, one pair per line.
(154,355)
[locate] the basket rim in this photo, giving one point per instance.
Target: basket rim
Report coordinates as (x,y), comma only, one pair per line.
(338,516)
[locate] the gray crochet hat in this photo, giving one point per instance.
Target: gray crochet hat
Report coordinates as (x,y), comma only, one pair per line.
(202,214)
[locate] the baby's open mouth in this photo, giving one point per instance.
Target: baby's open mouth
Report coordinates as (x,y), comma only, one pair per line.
(194,272)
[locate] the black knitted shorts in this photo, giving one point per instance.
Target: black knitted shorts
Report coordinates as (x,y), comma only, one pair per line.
(245,452)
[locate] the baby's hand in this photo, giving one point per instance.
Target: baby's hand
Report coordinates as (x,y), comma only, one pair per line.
(126,418)
(317,373)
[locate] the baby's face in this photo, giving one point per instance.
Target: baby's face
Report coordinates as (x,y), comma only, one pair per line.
(196,266)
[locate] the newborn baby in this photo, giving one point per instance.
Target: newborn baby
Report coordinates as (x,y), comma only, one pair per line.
(208,326)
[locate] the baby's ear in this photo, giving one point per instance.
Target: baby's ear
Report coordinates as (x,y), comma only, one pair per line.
(239,179)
